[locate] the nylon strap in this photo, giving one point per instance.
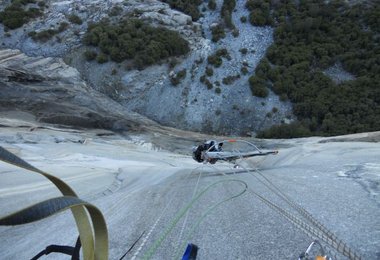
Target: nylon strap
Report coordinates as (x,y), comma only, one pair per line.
(95,244)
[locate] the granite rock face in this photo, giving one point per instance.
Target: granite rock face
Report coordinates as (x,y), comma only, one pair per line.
(55,93)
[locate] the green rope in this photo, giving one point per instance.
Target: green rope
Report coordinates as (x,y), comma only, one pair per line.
(204,215)
(183,211)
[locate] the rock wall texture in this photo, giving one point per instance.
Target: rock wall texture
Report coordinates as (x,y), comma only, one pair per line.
(55,93)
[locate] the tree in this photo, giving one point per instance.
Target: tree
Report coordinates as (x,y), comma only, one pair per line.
(211,4)
(258,87)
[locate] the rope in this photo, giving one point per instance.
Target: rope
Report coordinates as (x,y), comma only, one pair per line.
(294,205)
(187,213)
(183,211)
(133,245)
(170,185)
(207,212)
(320,231)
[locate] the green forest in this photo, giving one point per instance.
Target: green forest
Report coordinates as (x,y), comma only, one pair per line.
(134,40)
(310,37)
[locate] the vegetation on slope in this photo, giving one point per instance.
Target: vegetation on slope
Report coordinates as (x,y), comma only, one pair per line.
(45,35)
(211,4)
(73,18)
(20,12)
(226,12)
(217,33)
(309,38)
(178,77)
(134,40)
(189,7)
(259,12)
(216,58)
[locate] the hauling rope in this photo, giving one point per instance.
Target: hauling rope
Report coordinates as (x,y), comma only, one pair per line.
(212,151)
(319,230)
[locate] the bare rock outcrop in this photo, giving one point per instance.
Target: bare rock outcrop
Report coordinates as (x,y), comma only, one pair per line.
(55,93)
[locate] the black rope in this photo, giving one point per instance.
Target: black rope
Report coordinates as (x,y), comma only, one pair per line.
(78,245)
(133,245)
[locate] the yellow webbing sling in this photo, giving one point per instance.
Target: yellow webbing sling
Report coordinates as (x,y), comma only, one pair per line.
(95,244)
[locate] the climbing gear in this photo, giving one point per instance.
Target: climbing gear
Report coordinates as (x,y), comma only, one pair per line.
(306,255)
(215,152)
(191,252)
(95,244)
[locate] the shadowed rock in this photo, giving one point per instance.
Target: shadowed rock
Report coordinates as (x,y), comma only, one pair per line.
(55,93)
